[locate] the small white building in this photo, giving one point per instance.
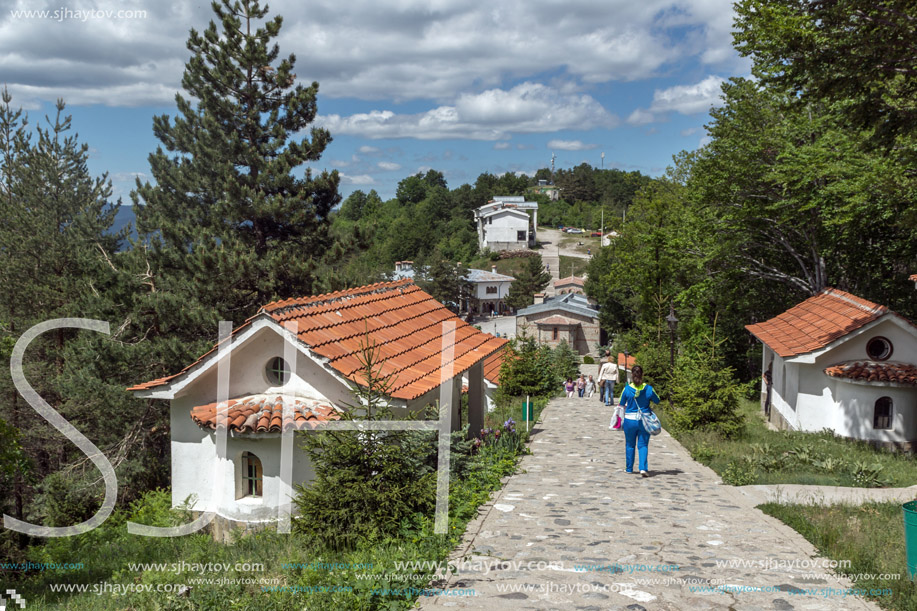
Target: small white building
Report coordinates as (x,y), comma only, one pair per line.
(489,292)
(504,223)
(313,369)
(839,362)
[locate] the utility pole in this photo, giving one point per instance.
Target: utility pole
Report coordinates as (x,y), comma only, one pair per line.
(553,156)
(603,160)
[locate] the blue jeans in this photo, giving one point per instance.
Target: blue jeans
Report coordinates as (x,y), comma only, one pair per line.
(634,433)
(609,392)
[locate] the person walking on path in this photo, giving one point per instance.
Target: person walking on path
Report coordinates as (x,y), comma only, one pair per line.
(636,397)
(590,387)
(570,387)
(581,385)
(608,375)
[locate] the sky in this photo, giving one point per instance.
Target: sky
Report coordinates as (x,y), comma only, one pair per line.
(459,86)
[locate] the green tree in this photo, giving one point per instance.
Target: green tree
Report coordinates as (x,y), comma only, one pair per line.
(531,279)
(228,225)
(446,282)
(56,250)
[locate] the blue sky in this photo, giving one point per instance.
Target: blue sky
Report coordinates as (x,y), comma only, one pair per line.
(460,86)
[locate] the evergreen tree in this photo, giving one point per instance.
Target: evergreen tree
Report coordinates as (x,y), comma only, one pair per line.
(446,282)
(532,279)
(56,250)
(229,225)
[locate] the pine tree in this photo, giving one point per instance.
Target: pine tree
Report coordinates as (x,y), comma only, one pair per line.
(530,280)
(229,225)
(55,254)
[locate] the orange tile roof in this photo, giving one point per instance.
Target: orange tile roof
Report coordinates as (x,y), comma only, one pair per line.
(570,280)
(631,361)
(871,371)
(401,320)
(816,322)
(493,362)
(263,415)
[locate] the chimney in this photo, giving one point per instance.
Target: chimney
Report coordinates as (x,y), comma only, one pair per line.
(493,269)
(539,298)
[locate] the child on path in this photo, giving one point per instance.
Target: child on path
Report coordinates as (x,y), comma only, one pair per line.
(581,385)
(636,397)
(570,387)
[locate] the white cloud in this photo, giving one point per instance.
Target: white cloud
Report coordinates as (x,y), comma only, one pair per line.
(689,99)
(640,117)
(690,131)
(389,166)
(501,146)
(371,49)
(489,115)
(570,145)
(360,179)
(704,141)
(368,150)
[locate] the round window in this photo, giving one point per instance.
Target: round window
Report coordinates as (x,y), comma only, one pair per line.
(878,349)
(278,372)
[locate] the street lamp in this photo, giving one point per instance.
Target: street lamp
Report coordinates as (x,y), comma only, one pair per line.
(673,326)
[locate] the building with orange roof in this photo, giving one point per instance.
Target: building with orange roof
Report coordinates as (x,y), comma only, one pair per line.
(295,365)
(839,362)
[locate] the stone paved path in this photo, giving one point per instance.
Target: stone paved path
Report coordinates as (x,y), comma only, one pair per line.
(572,505)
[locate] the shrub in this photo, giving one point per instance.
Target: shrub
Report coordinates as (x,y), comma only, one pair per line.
(566,362)
(531,372)
(705,399)
(739,473)
(588,360)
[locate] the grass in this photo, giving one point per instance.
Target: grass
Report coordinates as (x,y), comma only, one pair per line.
(764,456)
(577,264)
(508,267)
(870,537)
(107,553)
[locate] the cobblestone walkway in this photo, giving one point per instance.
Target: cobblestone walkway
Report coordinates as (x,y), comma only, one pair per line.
(571,530)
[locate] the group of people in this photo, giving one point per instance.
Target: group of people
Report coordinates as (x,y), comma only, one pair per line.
(635,397)
(582,386)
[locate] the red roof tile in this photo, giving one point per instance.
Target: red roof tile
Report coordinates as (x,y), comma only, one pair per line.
(631,361)
(263,415)
(871,371)
(493,362)
(401,320)
(816,322)
(570,280)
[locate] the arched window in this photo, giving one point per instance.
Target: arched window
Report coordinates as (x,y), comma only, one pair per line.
(882,415)
(277,371)
(252,475)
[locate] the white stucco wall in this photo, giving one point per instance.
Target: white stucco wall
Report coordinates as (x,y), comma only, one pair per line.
(810,400)
(500,231)
(502,290)
(195,467)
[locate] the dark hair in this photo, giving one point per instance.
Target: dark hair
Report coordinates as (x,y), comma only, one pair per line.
(636,370)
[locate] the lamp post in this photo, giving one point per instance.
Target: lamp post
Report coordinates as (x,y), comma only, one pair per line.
(626,380)
(673,326)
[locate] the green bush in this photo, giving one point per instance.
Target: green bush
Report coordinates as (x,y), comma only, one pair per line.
(532,371)
(566,362)
(739,473)
(705,399)
(588,360)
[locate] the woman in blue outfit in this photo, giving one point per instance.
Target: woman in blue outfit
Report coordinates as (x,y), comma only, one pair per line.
(636,395)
